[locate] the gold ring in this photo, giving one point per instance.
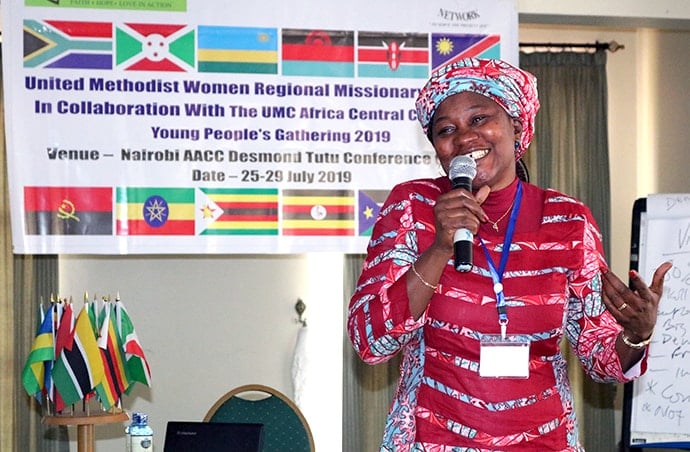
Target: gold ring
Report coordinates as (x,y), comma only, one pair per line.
(623,306)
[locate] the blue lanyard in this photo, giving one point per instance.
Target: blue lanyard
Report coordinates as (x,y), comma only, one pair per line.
(497,275)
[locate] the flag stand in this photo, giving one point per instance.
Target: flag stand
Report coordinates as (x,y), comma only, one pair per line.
(86,438)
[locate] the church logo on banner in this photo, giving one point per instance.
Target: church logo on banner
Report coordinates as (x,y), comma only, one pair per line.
(241,211)
(238,50)
(392,55)
(155,211)
(322,53)
(318,212)
(155,47)
(448,48)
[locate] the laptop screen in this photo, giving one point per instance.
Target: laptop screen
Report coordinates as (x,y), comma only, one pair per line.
(188,436)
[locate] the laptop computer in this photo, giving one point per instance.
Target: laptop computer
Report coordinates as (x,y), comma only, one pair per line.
(189,436)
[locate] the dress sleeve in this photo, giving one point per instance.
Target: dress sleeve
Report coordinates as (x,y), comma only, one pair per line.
(379,320)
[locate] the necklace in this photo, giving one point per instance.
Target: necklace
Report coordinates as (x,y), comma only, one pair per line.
(494,224)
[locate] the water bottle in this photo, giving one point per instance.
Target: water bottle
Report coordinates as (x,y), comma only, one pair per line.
(140,434)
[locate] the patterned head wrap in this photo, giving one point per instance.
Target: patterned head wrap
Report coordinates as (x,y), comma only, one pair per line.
(510,87)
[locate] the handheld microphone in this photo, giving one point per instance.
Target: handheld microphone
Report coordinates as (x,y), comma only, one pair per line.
(461,172)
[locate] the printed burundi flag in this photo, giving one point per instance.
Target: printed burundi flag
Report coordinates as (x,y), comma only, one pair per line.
(155,211)
(368,208)
(154,47)
(322,53)
(241,211)
(68,210)
(68,44)
(318,212)
(397,55)
(40,359)
(137,366)
(447,48)
(238,49)
(116,378)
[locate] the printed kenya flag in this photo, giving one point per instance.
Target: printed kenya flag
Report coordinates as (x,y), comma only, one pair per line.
(241,211)
(155,211)
(318,212)
(323,53)
(154,47)
(68,44)
(68,210)
(238,50)
(398,55)
(447,48)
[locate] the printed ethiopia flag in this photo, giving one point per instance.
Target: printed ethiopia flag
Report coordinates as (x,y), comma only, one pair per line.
(241,211)
(155,211)
(368,208)
(68,44)
(68,210)
(238,50)
(447,48)
(154,47)
(398,55)
(318,212)
(318,52)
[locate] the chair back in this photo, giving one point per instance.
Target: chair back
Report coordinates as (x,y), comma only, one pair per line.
(285,428)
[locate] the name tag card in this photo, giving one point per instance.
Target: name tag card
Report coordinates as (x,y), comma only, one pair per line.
(501,357)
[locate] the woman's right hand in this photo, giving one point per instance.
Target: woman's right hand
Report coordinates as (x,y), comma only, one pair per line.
(458,209)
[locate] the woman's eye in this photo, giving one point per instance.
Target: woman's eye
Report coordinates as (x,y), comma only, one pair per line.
(445,130)
(478,118)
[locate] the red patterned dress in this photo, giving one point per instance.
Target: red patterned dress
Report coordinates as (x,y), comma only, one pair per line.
(552,284)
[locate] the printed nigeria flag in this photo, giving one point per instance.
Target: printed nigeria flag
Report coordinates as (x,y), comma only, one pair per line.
(241,211)
(154,211)
(238,49)
(322,53)
(154,47)
(68,210)
(396,55)
(318,212)
(68,44)
(447,48)
(368,208)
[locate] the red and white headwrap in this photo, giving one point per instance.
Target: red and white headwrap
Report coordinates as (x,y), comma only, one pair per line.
(512,88)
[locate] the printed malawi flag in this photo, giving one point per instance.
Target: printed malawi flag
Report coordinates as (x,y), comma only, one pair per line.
(397,55)
(238,49)
(241,211)
(155,211)
(447,48)
(68,210)
(155,47)
(318,212)
(68,44)
(318,52)
(40,358)
(368,208)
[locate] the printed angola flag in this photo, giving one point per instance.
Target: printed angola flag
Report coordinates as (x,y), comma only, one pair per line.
(68,44)
(447,48)
(154,47)
(38,363)
(398,55)
(155,211)
(322,53)
(116,378)
(318,212)
(68,210)
(79,368)
(368,208)
(137,366)
(241,211)
(238,50)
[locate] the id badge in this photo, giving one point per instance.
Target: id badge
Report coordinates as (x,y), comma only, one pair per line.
(501,357)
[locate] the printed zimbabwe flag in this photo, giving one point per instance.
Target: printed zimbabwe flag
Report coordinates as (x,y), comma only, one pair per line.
(322,53)
(155,211)
(241,211)
(397,55)
(68,210)
(154,47)
(318,212)
(447,48)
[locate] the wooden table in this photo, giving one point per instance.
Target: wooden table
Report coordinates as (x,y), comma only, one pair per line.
(86,438)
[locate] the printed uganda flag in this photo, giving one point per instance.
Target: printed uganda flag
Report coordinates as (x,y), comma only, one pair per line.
(241,211)
(68,210)
(369,204)
(238,50)
(318,212)
(68,44)
(39,362)
(155,47)
(322,53)
(447,48)
(154,211)
(392,55)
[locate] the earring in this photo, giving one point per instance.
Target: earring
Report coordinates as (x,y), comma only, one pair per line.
(517,145)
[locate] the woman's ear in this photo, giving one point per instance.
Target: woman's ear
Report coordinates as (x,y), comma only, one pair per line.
(517,128)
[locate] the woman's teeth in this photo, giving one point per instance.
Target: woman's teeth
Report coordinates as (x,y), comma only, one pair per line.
(476,155)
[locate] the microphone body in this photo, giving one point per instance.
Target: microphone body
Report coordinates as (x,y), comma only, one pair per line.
(461,173)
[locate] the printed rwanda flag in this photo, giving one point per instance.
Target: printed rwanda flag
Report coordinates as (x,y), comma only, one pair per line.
(40,358)
(447,48)
(154,47)
(318,212)
(241,211)
(68,210)
(155,211)
(68,44)
(368,208)
(318,52)
(397,55)
(238,50)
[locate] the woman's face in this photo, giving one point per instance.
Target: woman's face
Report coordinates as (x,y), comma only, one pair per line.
(471,124)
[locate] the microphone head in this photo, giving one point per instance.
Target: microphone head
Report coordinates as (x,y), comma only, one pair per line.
(462,166)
